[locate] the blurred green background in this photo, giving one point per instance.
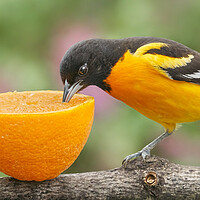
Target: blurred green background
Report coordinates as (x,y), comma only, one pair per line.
(35,34)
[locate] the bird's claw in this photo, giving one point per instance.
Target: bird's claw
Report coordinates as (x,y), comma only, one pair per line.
(144,153)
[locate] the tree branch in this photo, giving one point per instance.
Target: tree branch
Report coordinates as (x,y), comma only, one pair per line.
(155,178)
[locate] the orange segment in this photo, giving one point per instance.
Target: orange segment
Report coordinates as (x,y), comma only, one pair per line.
(40,136)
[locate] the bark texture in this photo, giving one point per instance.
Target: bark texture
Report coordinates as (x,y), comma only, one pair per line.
(156,178)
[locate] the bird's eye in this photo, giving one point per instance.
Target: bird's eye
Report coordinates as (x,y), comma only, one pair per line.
(83,70)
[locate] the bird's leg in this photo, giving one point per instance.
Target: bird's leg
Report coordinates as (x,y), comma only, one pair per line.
(146,150)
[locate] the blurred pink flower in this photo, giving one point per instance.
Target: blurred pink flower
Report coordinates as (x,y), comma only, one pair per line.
(178,146)
(104,103)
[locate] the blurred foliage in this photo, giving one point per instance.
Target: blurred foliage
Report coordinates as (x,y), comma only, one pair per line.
(2,174)
(26,31)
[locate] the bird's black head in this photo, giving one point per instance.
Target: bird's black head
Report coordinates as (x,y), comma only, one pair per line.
(86,63)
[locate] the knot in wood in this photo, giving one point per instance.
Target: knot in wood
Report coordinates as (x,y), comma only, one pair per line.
(151,179)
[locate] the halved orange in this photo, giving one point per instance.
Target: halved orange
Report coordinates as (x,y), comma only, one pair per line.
(40,136)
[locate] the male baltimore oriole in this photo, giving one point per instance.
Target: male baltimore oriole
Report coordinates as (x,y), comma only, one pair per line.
(157,77)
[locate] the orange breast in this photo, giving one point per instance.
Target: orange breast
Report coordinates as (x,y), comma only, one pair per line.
(135,82)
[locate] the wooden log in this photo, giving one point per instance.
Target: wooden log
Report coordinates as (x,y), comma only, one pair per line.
(154,178)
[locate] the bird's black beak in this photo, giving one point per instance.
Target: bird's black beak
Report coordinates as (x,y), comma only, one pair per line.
(70,91)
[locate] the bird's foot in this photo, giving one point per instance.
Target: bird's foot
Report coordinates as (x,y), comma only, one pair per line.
(146,150)
(144,153)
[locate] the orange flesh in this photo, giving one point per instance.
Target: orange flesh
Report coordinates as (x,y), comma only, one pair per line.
(31,102)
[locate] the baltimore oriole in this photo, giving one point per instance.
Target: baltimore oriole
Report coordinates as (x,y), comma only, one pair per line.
(157,77)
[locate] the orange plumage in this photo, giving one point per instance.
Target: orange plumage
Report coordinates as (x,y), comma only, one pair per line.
(151,93)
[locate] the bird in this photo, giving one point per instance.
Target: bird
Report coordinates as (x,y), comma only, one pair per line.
(157,77)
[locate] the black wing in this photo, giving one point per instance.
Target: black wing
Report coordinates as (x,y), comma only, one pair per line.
(173,59)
